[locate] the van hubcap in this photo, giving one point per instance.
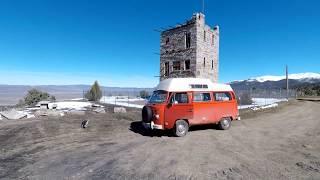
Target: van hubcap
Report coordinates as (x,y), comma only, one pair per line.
(225,123)
(181,129)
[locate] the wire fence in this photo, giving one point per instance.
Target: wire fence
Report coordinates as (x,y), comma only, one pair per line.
(261,97)
(257,97)
(132,98)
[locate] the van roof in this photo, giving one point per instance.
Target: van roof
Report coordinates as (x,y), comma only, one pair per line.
(191,84)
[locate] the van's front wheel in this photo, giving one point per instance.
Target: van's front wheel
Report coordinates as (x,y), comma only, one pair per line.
(225,123)
(181,128)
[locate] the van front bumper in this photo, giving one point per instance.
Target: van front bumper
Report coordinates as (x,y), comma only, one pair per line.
(151,125)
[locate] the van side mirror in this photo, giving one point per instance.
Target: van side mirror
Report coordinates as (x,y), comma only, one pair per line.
(172,103)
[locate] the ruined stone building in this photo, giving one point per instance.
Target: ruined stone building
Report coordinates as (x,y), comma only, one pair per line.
(190,50)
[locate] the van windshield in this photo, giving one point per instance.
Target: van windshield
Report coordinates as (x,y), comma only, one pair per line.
(158,97)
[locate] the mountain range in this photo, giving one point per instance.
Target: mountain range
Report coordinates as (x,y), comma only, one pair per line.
(276,82)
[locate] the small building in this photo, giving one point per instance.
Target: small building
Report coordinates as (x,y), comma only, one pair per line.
(190,50)
(43,104)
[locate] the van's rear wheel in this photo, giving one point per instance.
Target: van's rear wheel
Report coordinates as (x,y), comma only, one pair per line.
(181,128)
(225,123)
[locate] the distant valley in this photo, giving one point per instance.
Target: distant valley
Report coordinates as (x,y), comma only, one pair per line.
(11,94)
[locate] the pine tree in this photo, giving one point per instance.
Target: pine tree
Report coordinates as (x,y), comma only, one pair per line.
(144,94)
(95,92)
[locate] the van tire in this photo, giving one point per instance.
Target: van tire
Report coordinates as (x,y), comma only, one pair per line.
(147,114)
(181,128)
(225,123)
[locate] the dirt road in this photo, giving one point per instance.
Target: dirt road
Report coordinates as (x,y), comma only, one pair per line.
(279,144)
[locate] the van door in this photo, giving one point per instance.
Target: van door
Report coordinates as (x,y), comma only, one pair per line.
(203,108)
(223,105)
(179,107)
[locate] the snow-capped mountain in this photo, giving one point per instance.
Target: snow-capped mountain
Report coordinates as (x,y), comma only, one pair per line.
(275,82)
(299,76)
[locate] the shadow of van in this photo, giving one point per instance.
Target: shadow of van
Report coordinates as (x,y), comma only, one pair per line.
(137,127)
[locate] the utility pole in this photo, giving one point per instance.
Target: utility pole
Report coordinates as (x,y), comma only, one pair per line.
(202,6)
(287,80)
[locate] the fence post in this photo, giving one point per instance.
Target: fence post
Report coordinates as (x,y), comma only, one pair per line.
(265,96)
(83,94)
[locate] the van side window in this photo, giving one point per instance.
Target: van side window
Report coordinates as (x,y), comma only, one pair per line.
(222,96)
(179,98)
(201,97)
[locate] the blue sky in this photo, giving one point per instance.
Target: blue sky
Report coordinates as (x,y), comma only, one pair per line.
(114,42)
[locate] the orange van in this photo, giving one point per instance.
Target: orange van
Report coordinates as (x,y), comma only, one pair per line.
(178,103)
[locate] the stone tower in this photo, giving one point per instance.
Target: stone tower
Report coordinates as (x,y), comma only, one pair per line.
(190,50)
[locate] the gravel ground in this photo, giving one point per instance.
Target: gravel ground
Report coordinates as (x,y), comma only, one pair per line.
(281,143)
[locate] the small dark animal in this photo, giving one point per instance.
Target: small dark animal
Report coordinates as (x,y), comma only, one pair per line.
(84,123)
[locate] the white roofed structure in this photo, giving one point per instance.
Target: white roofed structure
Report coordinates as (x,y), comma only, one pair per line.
(191,84)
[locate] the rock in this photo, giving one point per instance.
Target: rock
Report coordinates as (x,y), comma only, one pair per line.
(119,110)
(47,112)
(13,114)
(78,113)
(307,167)
(54,106)
(97,105)
(306,146)
(84,124)
(30,116)
(99,110)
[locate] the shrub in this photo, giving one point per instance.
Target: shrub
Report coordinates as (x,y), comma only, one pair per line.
(309,90)
(53,98)
(244,99)
(144,94)
(95,92)
(34,96)
(21,103)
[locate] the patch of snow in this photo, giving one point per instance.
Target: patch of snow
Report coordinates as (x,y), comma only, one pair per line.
(261,102)
(245,106)
(266,101)
(235,81)
(297,76)
(33,108)
(78,99)
(27,113)
(265,107)
(129,105)
(30,116)
(79,106)
(97,105)
(122,101)
(13,114)
(121,98)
